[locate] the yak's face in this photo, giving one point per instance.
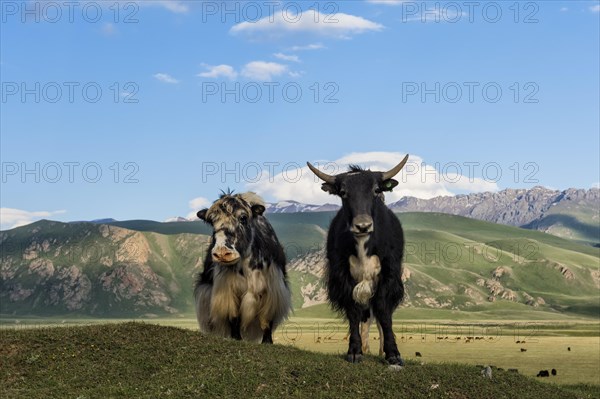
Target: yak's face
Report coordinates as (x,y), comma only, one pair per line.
(360,190)
(231,217)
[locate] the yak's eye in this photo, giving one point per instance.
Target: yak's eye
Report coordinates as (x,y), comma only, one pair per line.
(377,191)
(243,219)
(343,193)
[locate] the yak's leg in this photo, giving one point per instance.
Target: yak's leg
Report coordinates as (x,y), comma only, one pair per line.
(354,347)
(384,317)
(380,338)
(365,325)
(268,334)
(235,325)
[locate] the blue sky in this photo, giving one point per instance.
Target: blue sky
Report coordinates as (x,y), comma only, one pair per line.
(359,81)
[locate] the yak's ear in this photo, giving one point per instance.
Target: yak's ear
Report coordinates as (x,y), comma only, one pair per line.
(388,185)
(329,188)
(258,210)
(202,214)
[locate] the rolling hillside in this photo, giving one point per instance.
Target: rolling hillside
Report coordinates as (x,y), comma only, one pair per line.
(146,268)
(143,360)
(457,263)
(95,269)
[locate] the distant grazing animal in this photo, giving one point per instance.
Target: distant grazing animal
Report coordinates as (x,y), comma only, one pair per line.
(487,372)
(543,373)
(418,354)
(569,349)
(243,290)
(523,350)
(553,372)
(365,244)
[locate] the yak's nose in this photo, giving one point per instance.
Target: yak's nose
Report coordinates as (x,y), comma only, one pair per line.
(362,224)
(363,227)
(225,255)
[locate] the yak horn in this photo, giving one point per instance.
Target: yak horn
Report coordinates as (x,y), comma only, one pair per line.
(394,171)
(323,176)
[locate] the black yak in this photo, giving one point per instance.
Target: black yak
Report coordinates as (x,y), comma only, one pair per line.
(365,244)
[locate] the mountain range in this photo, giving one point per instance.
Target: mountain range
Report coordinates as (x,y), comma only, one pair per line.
(467,253)
(141,268)
(571,213)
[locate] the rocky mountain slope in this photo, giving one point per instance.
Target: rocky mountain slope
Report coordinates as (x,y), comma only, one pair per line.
(295,206)
(572,213)
(147,268)
(96,269)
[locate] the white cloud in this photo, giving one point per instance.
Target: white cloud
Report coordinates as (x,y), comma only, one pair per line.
(312,46)
(286,57)
(262,70)
(564,9)
(595,8)
(166,78)
(257,70)
(11,218)
(416,179)
(109,29)
(596,185)
(197,204)
(217,71)
(339,25)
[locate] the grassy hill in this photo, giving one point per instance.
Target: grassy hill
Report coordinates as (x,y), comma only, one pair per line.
(134,268)
(456,263)
(136,360)
(52,268)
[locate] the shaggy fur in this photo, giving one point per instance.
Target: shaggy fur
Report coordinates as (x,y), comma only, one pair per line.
(250,297)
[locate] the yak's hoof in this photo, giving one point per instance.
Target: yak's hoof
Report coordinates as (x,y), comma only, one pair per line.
(395,360)
(354,358)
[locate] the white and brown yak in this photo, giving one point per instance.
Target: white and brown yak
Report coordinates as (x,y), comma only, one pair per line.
(243,292)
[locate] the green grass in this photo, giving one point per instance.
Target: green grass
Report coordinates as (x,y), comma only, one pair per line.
(137,360)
